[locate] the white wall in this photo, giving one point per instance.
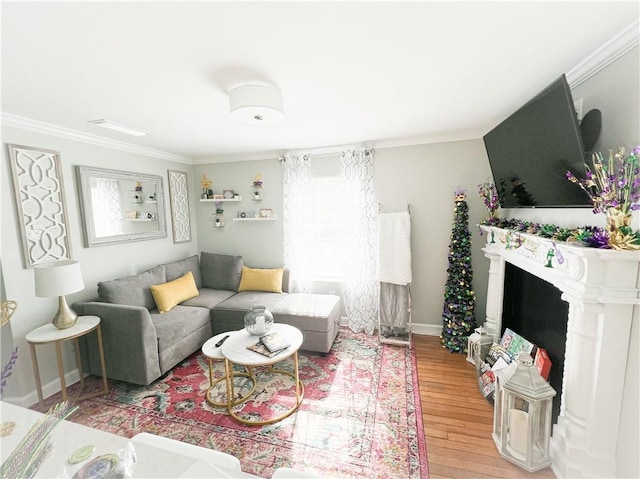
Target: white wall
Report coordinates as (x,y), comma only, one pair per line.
(98,263)
(614,91)
(260,243)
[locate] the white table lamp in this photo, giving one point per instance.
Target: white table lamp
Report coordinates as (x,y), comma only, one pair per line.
(58,279)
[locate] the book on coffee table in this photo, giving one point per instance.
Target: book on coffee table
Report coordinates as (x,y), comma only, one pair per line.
(274,342)
(262,349)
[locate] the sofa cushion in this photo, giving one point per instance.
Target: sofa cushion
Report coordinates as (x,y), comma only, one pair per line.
(237,305)
(170,294)
(208,298)
(269,280)
(220,271)
(177,269)
(132,290)
(180,332)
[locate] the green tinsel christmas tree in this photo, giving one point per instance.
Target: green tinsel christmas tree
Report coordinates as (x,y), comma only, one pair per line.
(459,298)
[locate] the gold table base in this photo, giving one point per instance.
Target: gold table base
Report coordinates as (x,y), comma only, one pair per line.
(230,393)
(213,384)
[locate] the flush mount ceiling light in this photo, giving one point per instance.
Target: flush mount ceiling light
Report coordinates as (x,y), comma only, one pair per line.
(256,104)
(116,127)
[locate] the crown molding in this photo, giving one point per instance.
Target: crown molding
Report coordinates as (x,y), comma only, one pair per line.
(36,126)
(604,56)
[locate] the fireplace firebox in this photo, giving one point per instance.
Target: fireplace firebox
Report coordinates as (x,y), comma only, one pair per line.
(534,309)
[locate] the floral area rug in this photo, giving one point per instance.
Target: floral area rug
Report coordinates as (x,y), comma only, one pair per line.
(360,416)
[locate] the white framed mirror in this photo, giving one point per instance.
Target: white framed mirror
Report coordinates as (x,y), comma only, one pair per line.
(120,206)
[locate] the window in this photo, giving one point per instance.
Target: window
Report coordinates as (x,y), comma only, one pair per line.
(325,210)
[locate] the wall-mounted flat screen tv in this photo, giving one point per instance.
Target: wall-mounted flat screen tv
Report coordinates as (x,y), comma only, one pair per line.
(532,149)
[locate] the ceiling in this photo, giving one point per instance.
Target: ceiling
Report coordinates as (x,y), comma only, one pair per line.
(370,73)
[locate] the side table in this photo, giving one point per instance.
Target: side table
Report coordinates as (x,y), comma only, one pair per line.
(50,334)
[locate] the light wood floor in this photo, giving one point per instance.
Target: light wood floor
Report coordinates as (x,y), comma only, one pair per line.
(457,420)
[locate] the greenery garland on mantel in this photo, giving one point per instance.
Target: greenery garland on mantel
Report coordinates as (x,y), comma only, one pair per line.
(590,236)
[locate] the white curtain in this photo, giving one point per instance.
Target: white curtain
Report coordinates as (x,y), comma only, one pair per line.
(296,179)
(360,287)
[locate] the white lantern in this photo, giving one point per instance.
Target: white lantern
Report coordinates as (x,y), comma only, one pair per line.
(478,346)
(473,339)
(522,417)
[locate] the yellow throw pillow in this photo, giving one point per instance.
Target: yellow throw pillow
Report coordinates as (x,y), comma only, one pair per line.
(269,280)
(168,295)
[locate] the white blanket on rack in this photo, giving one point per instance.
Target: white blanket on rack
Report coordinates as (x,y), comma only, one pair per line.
(394,248)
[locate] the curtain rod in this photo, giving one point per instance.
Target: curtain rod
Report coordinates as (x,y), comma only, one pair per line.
(321,153)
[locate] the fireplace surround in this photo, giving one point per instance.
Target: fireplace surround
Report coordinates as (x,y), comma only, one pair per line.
(601,288)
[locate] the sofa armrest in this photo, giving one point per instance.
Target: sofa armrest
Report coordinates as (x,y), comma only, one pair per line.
(130,343)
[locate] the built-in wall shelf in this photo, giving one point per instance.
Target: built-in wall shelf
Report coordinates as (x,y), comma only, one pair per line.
(273,218)
(141,219)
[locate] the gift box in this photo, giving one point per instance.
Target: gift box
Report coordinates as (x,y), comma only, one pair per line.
(514,344)
(543,363)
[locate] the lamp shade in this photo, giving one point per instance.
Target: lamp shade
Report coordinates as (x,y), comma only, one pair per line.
(256,104)
(58,279)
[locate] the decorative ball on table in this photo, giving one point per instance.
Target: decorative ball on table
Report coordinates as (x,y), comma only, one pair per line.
(459,298)
(258,321)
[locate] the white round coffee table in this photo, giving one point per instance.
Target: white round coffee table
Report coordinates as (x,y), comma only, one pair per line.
(235,351)
(213,352)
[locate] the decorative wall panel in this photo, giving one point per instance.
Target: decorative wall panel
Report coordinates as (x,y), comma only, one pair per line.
(42,214)
(179,199)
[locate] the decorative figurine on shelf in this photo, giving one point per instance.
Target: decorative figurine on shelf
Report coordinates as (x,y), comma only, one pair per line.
(219,219)
(550,255)
(206,184)
(257,186)
(137,196)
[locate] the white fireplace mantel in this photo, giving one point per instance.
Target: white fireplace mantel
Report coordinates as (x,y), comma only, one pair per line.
(602,289)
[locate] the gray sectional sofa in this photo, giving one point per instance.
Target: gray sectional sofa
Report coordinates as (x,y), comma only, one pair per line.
(142,344)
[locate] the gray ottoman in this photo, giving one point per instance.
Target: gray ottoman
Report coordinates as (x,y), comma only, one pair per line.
(316,315)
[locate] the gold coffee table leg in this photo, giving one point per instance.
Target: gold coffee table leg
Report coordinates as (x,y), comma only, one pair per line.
(299,397)
(213,384)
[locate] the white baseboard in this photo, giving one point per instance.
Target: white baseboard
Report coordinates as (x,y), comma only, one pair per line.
(49,389)
(417,328)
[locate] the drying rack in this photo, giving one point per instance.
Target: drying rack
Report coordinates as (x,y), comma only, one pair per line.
(403,339)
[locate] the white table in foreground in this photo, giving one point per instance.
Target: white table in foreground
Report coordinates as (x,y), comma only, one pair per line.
(50,334)
(157,457)
(235,351)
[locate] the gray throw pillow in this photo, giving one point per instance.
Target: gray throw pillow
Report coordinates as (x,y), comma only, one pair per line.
(178,269)
(221,271)
(132,290)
